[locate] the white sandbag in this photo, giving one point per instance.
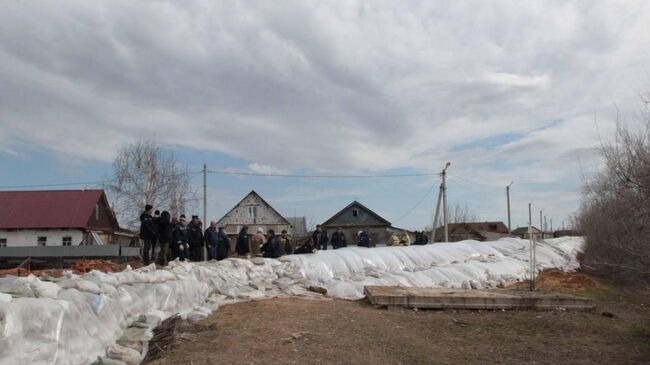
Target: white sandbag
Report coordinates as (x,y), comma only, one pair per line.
(44,289)
(81,285)
(91,312)
(125,354)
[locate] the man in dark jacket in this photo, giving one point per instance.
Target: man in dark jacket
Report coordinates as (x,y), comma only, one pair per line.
(320,238)
(286,246)
(307,247)
(195,238)
(164,236)
(179,239)
(243,246)
(338,239)
(365,240)
(223,245)
(211,239)
(271,248)
(148,233)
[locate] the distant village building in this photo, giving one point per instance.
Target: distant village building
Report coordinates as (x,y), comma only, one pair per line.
(298,226)
(59,218)
(479,231)
(254,212)
(522,232)
(565,233)
(356,217)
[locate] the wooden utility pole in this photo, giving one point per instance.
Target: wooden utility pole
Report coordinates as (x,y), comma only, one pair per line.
(205,205)
(435,218)
(508,203)
(532,246)
(444,200)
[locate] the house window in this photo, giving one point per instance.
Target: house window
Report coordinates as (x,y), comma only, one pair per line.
(66,241)
(41,241)
(355,212)
(3,242)
(252,212)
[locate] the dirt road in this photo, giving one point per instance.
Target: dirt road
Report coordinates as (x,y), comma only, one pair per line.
(300,331)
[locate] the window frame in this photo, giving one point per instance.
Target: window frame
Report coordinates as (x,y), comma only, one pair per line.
(41,242)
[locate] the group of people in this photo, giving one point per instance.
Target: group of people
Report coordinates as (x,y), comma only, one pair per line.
(177,238)
(320,240)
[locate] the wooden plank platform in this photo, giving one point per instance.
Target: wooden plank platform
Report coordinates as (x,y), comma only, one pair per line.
(441,298)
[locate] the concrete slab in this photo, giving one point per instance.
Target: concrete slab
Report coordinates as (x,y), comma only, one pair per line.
(441,298)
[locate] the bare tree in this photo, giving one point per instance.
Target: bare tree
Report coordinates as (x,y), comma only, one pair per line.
(462,214)
(143,173)
(615,209)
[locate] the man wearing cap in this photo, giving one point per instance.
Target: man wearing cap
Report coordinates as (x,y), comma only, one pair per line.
(148,233)
(195,238)
(179,241)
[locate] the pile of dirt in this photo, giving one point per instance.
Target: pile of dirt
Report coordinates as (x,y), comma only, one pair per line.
(554,279)
(24,272)
(85,266)
(79,267)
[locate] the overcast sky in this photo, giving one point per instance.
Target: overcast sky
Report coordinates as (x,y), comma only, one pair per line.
(506,90)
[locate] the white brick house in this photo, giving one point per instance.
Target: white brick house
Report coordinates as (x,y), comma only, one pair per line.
(254,212)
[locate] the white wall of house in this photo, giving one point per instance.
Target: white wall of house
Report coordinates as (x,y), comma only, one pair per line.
(253,213)
(29,237)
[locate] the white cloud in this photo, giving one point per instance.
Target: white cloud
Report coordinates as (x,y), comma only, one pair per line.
(325,86)
(265,169)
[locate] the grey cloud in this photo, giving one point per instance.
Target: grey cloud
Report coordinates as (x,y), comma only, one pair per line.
(348,86)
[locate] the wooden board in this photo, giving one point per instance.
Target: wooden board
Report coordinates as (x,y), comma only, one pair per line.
(441,298)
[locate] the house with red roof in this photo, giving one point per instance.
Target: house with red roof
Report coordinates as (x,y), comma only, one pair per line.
(59,218)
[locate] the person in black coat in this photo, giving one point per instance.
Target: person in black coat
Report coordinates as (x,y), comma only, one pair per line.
(243,246)
(271,248)
(195,238)
(365,240)
(211,237)
(338,239)
(320,238)
(164,236)
(307,247)
(148,233)
(223,245)
(179,239)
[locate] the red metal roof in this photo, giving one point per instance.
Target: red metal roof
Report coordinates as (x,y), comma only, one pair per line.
(47,209)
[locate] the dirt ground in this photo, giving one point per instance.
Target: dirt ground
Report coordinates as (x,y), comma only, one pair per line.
(302,331)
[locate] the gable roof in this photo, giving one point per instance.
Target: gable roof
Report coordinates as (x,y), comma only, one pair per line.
(253,192)
(377,216)
(49,208)
(523,230)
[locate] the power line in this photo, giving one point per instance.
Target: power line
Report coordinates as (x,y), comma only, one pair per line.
(54,185)
(76,183)
(416,205)
(319,176)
